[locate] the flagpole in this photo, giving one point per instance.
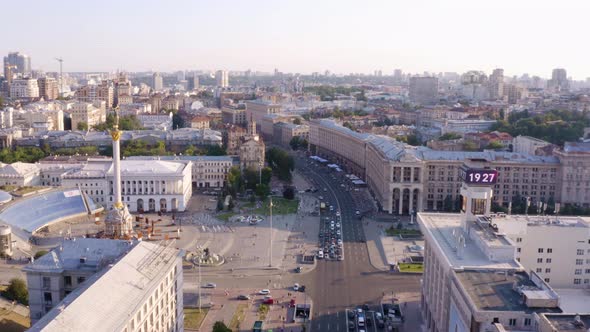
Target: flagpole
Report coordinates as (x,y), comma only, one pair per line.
(270,255)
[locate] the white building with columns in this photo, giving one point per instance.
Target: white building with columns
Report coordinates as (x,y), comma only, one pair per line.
(157,185)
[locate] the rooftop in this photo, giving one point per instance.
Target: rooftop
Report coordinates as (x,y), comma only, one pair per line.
(443,228)
(159,167)
(97,253)
(566,322)
(191,158)
(583,147)
(127,283)
(574,300)
(495,290)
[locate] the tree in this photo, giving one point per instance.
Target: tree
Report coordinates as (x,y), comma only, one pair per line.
(449,136)
(17,291)
(234,181)
(494,145)
(262,191)
(297,121)
(470,146)
(216,150)
(1,101)
(266,175)
(220,327)
(281,163)
(289,193)
(40,253)
(190,150)
(82,126)
(178,121)
(295,142)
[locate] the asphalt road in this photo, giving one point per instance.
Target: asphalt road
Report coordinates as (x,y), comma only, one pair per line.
(334,285)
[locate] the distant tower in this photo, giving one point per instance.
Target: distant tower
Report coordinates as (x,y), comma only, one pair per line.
(222,78)
(158,82)
(119,222)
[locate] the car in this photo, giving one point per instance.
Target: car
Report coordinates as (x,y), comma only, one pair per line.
(351,314)
(320,254)
(358,212)
(296,287)
(243,297)
(209,285)
(321,197)
(264,291)
(298,269)
(325,189)
(338,225)
(340,257)
(268,300)
(379,319)
(360,320)
(339,242)
(337,213)
(302,288)
(369,321)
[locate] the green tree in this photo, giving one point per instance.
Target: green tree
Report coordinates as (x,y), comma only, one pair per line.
(281,163)
(234,180)
(266,175)
(216,150)
(190,150)
(262,191)
(82,126)
(449,136)
(17,291)
(220,327)
(40,253)
(470,146)
(295,142)
(297,121)
(494,145)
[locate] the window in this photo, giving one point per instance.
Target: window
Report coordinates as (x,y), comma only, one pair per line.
(548,260)
(586,281)
(517,249)
(580,252)
(578,272)
(68,280)
(549,250)
(539,260)
(47,298)
(547,270)
(577,281)
(587,271)
(46,282)
(547,280)
(512,322)
(540,250)
(539,270)
(579,261)
(527,322)
(81,279)
(518,239)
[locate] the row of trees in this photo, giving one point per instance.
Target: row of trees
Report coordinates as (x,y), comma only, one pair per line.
(327,92)
(127,122)
(297,143)
(555,126)
(258,182)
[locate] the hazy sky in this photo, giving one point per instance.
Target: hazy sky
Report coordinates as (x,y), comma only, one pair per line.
(521,36)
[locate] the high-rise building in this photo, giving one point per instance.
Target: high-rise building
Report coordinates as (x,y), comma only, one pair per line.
(558,81)
(424,90)
(496,83)
(195,82)
(48,88)
(222,78)
(21,63)
(158,82)
(24,88)
(92,92)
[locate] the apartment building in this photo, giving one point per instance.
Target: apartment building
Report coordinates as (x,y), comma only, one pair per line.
(233,116)
(26,88)
(200,122)
(48,89)
(39,120)
(257,109)
(91,114)
(103,91)
(574,175)
(78,283)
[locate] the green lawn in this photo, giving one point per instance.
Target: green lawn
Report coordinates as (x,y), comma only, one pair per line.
(392,231)
(194,317)
(411,268)
(279,206)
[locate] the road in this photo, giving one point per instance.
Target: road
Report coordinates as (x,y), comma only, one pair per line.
(335,286)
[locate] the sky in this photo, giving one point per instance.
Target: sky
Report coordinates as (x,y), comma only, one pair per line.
(343,36)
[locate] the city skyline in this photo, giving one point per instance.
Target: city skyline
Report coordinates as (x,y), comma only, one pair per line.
(343,37)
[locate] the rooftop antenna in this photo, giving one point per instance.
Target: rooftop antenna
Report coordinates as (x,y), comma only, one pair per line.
(61,79)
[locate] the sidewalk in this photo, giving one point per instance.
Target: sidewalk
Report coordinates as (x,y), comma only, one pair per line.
(380,247)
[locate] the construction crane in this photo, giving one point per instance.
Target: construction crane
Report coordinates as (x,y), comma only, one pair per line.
(61,79)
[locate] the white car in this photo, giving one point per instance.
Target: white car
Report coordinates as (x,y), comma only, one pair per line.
(264,291)
(339,242)
(358,212)
(296,287)
(338,214)
(209,285)
(320,254)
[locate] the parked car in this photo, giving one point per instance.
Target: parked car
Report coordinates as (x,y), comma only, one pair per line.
(296,287)
(209,285)
(243,297)
(302,288)
(298,269)
(264,291)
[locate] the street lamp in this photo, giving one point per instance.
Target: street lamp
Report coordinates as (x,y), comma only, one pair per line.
(270,255)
